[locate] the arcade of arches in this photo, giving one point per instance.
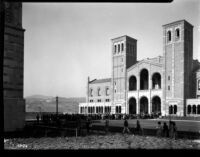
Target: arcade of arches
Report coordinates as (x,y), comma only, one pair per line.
(144,105)
(193,109)
(97,109)
(144,81)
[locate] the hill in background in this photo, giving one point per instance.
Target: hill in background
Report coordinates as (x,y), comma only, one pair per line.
(41,103)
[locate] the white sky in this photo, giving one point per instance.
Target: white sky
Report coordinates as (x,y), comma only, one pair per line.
(67,42)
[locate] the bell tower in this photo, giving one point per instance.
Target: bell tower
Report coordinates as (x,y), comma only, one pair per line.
(178,58)
(124,55)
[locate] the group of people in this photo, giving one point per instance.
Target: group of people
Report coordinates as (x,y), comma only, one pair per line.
(126,129)
(165,131)
(161,131)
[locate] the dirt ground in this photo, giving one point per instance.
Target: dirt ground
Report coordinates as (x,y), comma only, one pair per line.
(110,141)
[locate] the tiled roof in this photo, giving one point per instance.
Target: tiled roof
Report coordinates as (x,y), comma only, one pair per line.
(101,80)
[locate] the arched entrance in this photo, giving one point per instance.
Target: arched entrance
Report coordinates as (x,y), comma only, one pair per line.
(144,105)
(132,83)
(189,109)
(132,106)
(198,109)
(156,81)
(156,105)
(144,79)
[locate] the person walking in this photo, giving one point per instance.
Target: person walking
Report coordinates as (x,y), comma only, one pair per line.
(139,129)
(126,129)
(171,129)
(88,125)
(165,130)
(159,130)
(106,125)
(174,131)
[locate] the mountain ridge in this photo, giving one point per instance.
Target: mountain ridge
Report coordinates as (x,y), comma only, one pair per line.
(41,103)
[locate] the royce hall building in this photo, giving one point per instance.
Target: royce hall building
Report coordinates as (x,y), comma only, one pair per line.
(166,85)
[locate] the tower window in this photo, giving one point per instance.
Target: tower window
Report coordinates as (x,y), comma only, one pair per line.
(115,90)
(98,91)
(169,36)
(168,87)
(91,92)
(177,33)
(168,77)
(122,46)
(118,47)
(107,91)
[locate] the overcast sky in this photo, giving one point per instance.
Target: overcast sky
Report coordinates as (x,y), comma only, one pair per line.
(67,42)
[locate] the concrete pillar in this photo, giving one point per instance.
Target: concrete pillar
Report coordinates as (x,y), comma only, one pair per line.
(138,81)
(138,106)
(150,82)
(150,105)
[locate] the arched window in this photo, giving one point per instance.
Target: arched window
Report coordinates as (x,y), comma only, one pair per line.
(116,109)
(122,46)
(177,33)
(198,109)
(118,47)
(156,81)
(189,109)
(132,83)
(169,36)
(194,109)
(115,49)
(170,109)
(175,109)
(119,110)
(144,79)
(107,91)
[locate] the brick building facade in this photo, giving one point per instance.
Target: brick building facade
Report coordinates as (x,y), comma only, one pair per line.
(13,67)
(165,84)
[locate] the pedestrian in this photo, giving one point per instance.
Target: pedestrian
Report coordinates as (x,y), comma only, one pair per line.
(106,125)
(139,129)
(159,129)
(165,130)
(88,125)
(126,126)
(171,129)
(174,131)
(78,121)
